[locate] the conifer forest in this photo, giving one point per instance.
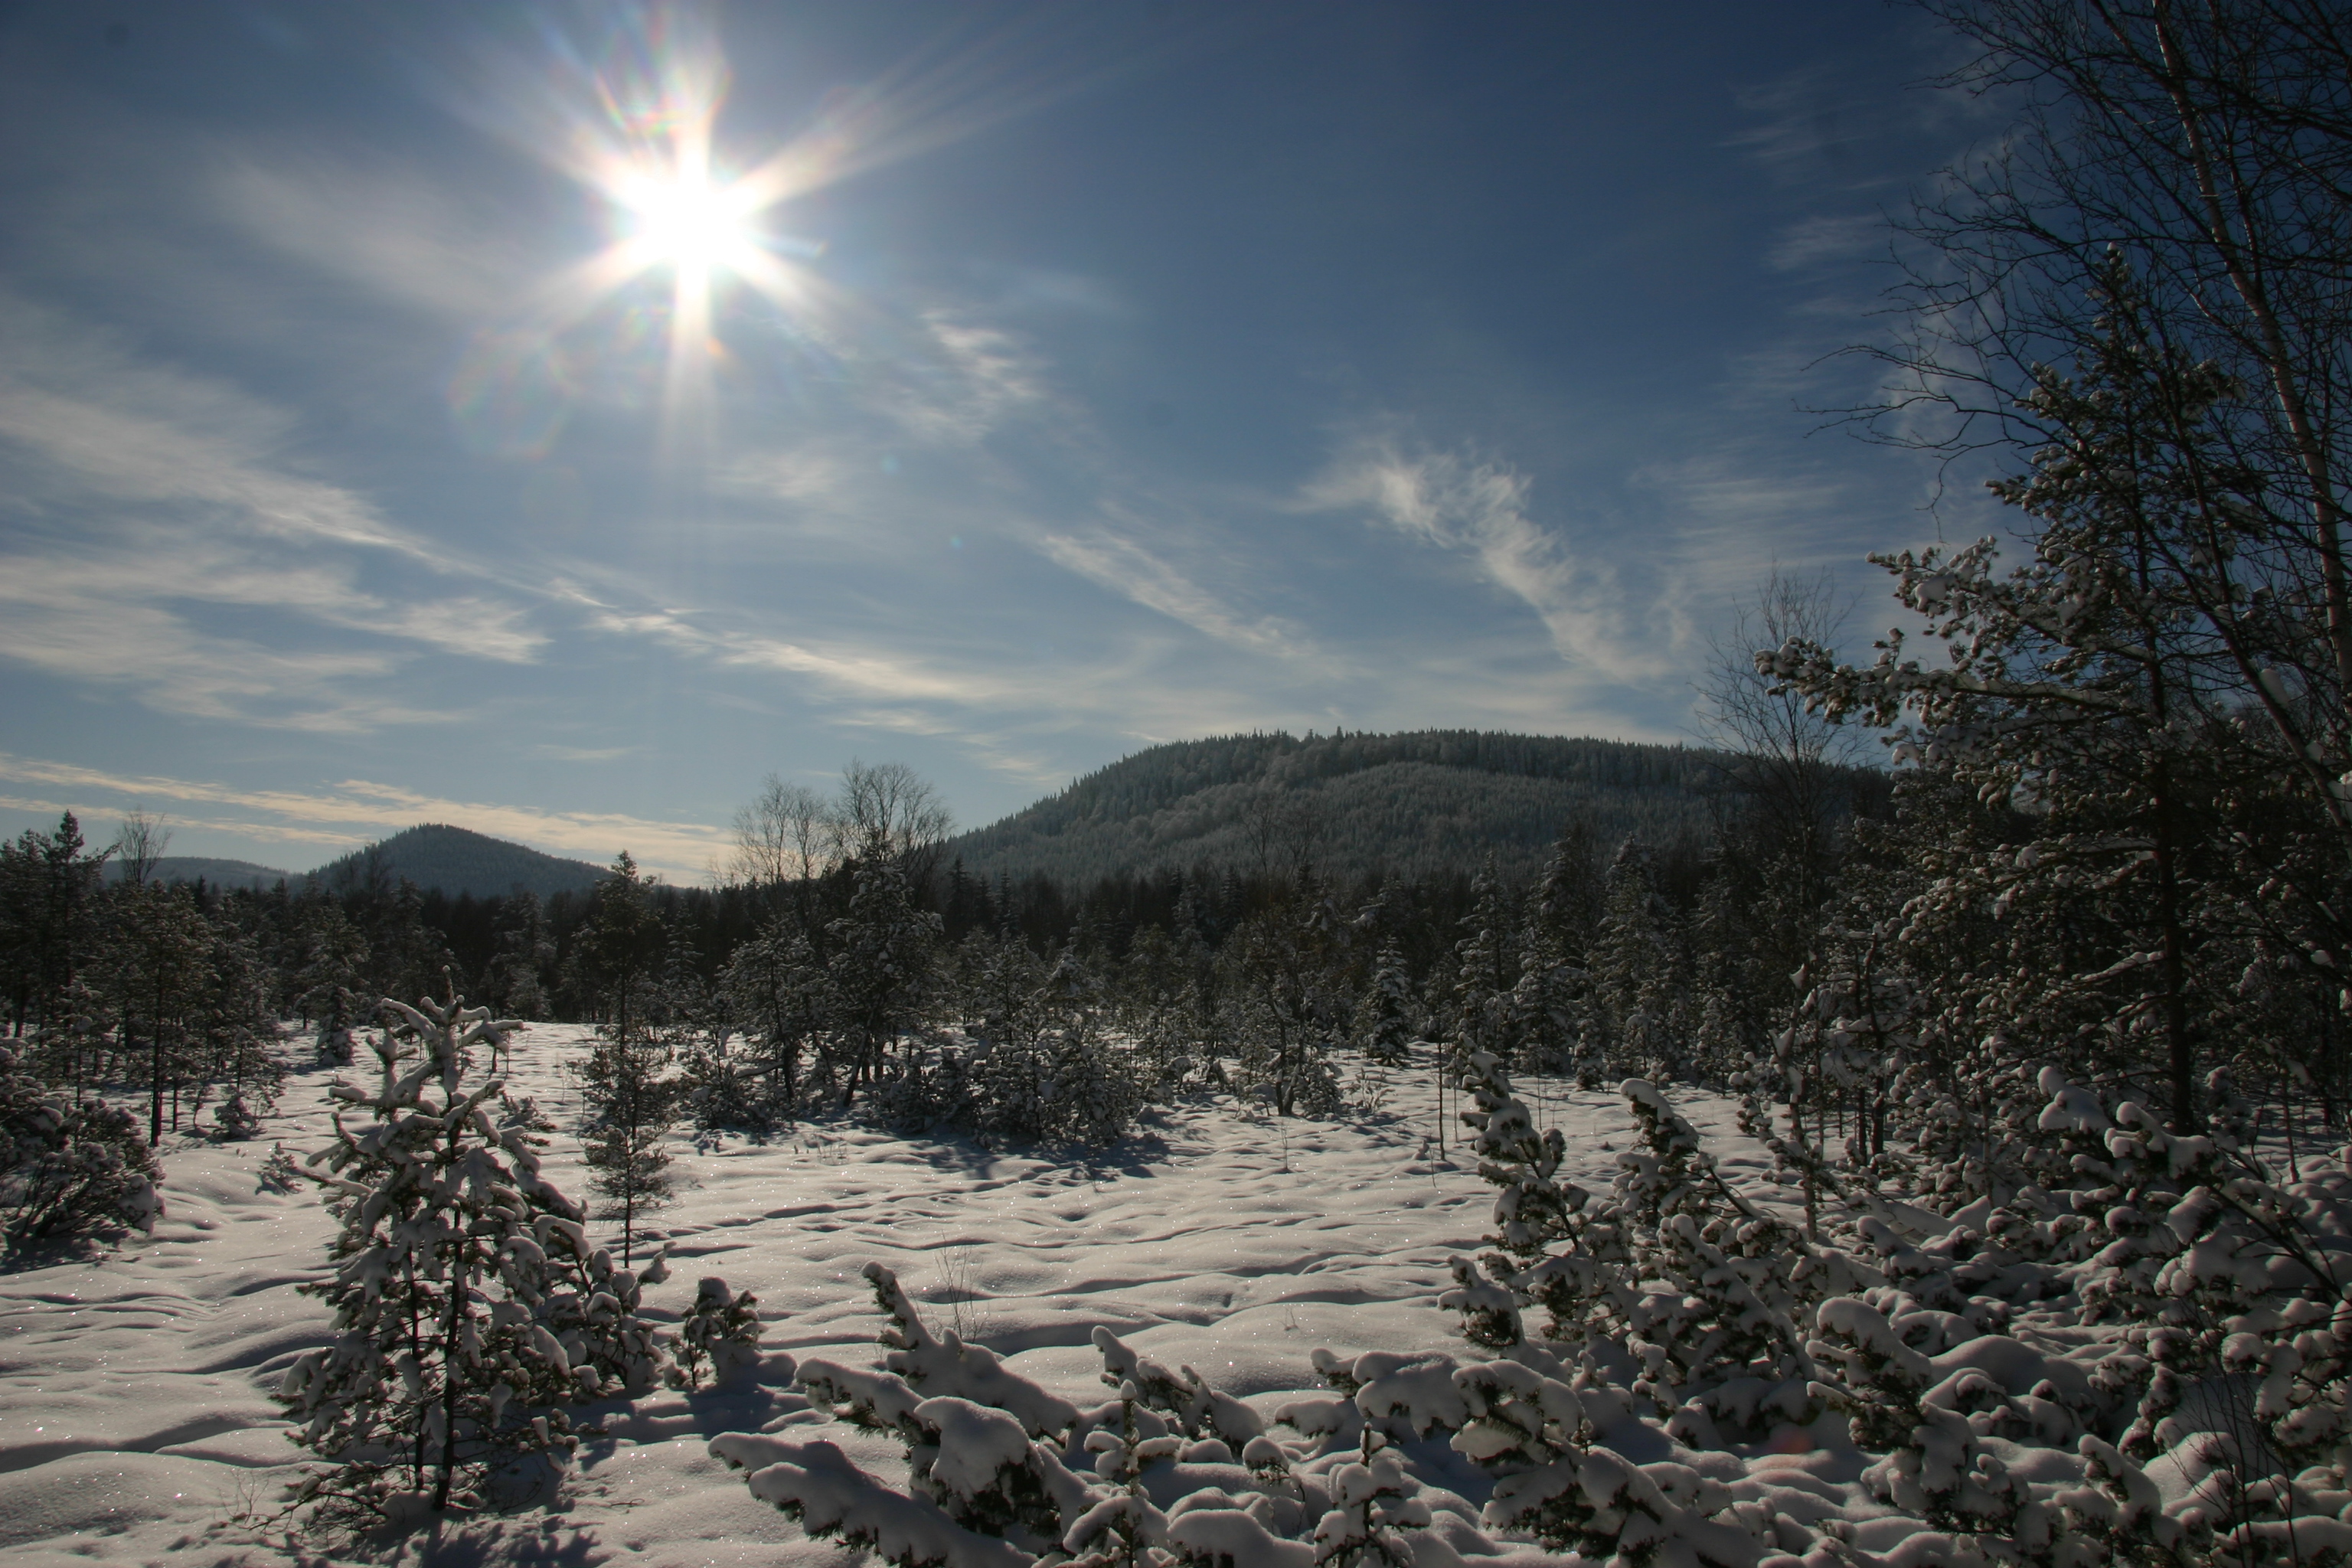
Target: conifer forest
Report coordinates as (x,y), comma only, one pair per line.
(1909,1126)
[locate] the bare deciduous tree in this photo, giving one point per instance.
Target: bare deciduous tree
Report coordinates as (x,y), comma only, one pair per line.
(890,807)
(789,834)
(138,843)
(1789,762)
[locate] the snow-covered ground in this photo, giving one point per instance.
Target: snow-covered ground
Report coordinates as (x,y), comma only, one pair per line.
(134,1388)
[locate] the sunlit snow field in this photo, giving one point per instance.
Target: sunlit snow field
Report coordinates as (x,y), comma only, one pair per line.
(134,1387)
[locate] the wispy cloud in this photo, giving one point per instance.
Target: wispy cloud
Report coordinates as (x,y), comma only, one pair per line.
(677,849)
(385,229)
(137,491)
(1813,241)
(1452,502)
(1803,126)
(840,670)
(1133,573)
(585,754)
(174,669)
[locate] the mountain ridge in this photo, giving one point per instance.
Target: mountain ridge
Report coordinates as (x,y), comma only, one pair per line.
(208,868)
(1413,803)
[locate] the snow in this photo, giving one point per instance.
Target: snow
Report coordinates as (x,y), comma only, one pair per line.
(134,1385)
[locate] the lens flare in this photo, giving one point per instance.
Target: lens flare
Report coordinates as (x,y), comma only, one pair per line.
(634,118)
(686,228)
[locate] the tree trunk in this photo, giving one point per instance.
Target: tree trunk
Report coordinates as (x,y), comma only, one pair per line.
(155,1084)
(450,1351)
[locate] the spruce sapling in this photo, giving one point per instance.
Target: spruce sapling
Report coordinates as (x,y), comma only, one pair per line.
(452,1253)
(631,1108)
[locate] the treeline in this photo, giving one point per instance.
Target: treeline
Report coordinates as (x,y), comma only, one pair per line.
(137,986)
(875,973)
(844,966)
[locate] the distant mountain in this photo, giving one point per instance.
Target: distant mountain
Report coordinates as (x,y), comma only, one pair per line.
(1418,805)
(216,873)
(458,861)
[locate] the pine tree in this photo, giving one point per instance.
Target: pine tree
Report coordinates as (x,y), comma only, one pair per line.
(1552,998)
(621,953)
(631,1107)
(526,954)
(2145,702)
(453,1253)
(1485,972)
(778,995)
(1285,1003)
(331,958)
(883,963)
(51,918)
(1384,1021)
(152,974)
(1634,967)
(232,1028)
(68,1169)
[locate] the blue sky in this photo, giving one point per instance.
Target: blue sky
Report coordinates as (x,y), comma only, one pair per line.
(1100,375)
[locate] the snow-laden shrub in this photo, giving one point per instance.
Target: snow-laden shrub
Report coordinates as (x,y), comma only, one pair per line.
(1063,1084)
(471,1307)
(1172,1473)
(69,1170)
(234,1121)
(1003,1472)
(719,1335)
(2144,1360)
(722,1090)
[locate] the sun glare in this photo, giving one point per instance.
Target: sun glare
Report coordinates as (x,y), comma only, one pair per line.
(688,227)
(684,221)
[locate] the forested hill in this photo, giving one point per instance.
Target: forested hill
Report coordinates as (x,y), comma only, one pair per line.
(205,869)
(1421,804)
(458,861)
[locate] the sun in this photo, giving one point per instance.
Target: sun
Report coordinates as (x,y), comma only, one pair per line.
(684,220)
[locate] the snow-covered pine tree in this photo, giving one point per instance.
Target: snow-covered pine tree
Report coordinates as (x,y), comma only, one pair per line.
(1635,968)
(1821,1097)
(1284,1006)
(526,955)
(719,1335)
(152,972)
(69,1169)
(778,994)
(1551,1000)
(454,1257)
(334,955)
(1384,1018)
(2104,699)
(1485,972)
(883,963)
(232,1028)
(620,955)
(1097,1089)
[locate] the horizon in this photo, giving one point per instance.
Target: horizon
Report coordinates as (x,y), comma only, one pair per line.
(553,419)
(956,830)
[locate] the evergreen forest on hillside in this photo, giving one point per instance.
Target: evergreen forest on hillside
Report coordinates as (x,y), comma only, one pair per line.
(1413,806)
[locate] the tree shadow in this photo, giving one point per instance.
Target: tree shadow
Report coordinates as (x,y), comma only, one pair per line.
(479,1541)
(51,1251)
